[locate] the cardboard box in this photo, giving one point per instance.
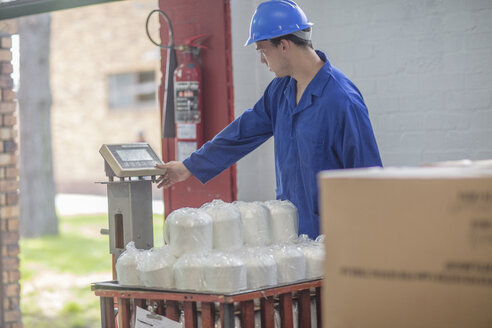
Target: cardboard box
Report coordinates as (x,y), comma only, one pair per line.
(408,247)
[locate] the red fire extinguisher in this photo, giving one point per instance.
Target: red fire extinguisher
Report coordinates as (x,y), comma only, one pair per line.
(182,116)
(188,102)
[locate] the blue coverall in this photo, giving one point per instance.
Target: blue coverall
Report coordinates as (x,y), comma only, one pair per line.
(328,129)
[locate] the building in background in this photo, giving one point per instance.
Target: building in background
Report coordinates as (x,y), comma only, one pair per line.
(105,74)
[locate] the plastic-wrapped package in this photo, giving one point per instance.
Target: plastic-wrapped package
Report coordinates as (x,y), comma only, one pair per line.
(291,265)
(314,253)
(227,226)
(155,268)
(189,271)
(261,268)
(257,223)
(188,230)
(315,259)
(285,220)
(224,273)
(303,239)
(126,266)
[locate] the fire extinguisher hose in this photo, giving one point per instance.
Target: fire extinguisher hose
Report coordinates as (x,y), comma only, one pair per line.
(170,26)
(168,125)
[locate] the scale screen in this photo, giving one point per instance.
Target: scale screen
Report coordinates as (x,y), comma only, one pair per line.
(131,160)
(134,155)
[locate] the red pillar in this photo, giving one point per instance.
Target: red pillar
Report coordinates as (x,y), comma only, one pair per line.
(193,17)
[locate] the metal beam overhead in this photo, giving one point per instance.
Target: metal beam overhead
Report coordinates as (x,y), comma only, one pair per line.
(17,8)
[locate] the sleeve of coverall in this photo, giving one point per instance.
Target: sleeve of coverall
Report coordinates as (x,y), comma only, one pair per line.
(358,145)
(236,140)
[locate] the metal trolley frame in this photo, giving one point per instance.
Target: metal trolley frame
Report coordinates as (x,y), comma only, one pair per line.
(170,303)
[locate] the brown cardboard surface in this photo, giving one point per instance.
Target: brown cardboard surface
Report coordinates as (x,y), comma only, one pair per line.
(406,249)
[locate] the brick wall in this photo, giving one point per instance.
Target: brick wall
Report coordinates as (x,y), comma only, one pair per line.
(9,207)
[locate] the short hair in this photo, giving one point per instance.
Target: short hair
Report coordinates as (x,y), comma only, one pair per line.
(295,39)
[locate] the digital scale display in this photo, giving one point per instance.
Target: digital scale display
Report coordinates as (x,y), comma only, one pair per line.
(131,160)
(134,155)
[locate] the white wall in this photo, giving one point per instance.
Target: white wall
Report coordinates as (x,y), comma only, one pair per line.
(255,172)
(423,67)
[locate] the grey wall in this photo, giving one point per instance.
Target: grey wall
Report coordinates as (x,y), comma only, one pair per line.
(423,67)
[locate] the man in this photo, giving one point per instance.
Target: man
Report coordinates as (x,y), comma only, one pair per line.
(316,114)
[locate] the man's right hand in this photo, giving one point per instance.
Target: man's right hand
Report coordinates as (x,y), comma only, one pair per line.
(175,172)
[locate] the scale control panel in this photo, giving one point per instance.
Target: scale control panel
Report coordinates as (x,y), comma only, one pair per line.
(130,160)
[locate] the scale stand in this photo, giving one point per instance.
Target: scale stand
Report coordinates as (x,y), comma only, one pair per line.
(130,213)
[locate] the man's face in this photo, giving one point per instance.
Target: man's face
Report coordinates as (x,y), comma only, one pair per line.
(273,57)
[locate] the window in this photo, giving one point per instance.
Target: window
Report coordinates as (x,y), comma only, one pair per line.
(132,90)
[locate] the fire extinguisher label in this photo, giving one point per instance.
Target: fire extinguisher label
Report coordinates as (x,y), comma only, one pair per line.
(186,131)
(185,148)
(186,101)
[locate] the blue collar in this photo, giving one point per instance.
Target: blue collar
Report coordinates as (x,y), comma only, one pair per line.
(315,87)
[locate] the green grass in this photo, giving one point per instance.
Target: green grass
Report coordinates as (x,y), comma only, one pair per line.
(56,272)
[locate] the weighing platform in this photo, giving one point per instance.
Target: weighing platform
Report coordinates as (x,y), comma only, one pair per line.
(171,303)
(130,169)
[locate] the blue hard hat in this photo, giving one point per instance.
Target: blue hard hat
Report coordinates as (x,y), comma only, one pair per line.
(276,18)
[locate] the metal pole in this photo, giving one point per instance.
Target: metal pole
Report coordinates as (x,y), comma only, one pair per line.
(228,315)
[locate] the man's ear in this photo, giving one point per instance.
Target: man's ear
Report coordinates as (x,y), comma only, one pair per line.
(284,44)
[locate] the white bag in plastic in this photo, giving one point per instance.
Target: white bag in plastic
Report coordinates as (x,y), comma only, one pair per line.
(155,268)
(189,271)
(224,272)
(314,253)
(227,226)
(126,266)
(291,265)
(285,220)
(261,268)
(188,230)
(257,223)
